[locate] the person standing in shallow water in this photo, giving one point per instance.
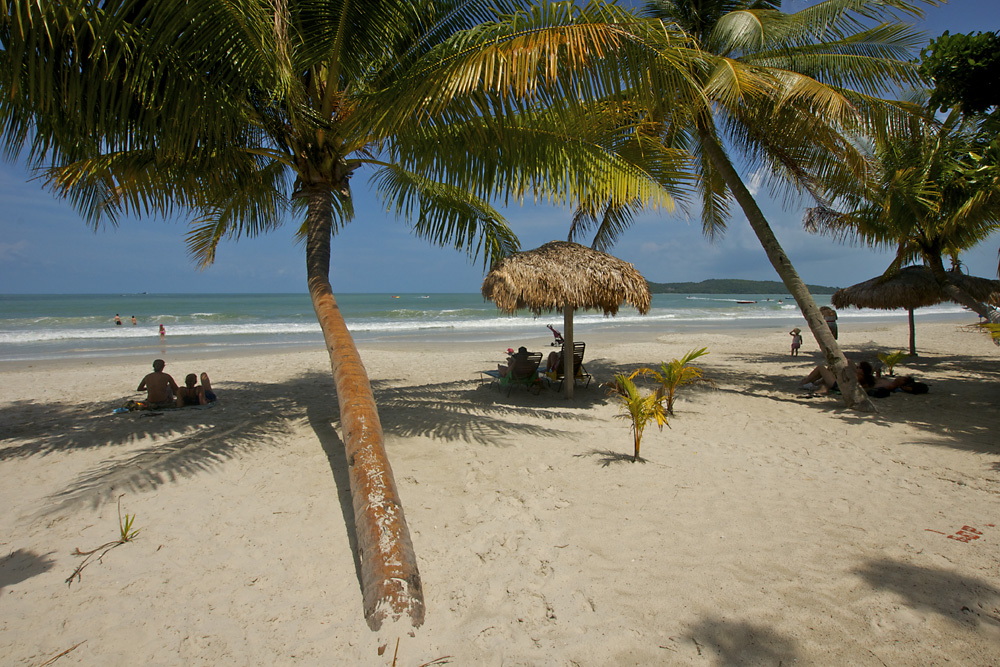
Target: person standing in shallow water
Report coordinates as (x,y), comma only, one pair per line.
(163,332)
(134,321)
(118,320)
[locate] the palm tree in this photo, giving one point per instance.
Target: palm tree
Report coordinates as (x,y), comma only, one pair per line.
(640,409)
(243,110)
(935,192)
(677,373)
(781,90)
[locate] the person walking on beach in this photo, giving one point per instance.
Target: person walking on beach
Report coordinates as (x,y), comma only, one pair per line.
(796,335)
(830,315)
(118,320)
(134,321)
(160,388)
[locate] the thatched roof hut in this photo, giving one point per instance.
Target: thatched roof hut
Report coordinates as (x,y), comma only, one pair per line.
(565,276)
(560,274)
(912,287)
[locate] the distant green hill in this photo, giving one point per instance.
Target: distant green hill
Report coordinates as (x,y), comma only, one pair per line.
(731,286)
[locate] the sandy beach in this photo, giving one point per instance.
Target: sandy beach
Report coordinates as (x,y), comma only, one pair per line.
(764,527)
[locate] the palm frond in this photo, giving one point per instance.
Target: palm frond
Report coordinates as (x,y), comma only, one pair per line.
(446,215)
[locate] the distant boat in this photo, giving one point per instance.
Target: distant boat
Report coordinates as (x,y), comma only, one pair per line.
(394,296)
(745,301)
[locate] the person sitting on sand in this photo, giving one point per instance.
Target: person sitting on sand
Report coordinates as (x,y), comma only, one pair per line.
(160,388)
(822,379)
(521,355)
(192,394)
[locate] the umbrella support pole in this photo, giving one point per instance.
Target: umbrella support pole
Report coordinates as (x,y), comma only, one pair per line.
(569,380)
(913,335)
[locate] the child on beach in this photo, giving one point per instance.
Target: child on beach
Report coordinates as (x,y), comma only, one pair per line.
(796,335)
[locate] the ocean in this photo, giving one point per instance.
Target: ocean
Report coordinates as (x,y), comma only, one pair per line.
(34,327)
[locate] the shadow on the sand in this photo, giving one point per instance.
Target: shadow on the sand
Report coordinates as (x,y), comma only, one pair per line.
(322,417)
(971,386)
(740,643)
(606,457)
(21,565)
(175,444)
(965,601)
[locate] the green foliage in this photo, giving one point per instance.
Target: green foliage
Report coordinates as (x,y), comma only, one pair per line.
(676,374)
(637,407)
(964,69)
(934,192)
(992,329)
(890,359)
(126,532)
(731,286)
(125,535)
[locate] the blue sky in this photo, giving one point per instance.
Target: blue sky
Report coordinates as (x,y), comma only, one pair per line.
(45,247)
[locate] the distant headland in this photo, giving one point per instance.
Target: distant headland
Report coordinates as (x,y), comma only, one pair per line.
(731,286)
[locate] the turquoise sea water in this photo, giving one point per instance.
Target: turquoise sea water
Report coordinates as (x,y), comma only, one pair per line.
(80,326)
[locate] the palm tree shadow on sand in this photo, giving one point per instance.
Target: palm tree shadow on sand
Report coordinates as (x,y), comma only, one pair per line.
(21,565)
(964,601)
(178,444)
(741,643)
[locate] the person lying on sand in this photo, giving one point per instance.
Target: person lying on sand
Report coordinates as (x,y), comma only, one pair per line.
(821,380)
(904,383)
(160,388)
(193,394)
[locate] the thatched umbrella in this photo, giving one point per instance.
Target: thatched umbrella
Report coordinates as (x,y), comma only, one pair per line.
(561,275)
(912,287)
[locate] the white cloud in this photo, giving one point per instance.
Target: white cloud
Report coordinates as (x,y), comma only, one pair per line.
(12,251)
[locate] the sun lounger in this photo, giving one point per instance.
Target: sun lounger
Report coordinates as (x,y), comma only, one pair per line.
(579,371)
(524,374)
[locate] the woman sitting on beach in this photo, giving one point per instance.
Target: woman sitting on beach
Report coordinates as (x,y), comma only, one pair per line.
(192,394)
(822,379)
(521,355)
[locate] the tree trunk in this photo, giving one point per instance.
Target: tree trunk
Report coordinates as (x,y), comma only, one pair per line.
(390,581)
(569,380)
(913,334)
(852,393)
(957,294)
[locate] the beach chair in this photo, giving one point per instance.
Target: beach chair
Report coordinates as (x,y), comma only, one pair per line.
(579,372)
(524,374)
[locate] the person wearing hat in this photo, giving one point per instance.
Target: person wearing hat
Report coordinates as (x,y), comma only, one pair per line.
(521,355)
(796,335)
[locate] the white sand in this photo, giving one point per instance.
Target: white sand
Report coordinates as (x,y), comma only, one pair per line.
(764,527)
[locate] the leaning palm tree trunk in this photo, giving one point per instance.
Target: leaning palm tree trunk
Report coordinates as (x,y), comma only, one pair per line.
(390,582)
(854,396)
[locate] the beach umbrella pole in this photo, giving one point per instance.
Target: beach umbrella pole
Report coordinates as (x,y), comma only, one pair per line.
(569,380)
(913,335)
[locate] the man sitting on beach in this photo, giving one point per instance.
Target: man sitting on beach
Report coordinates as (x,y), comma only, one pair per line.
(159,387)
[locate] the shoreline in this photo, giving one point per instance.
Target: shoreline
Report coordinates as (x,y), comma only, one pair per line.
(606,330)
(762,526)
